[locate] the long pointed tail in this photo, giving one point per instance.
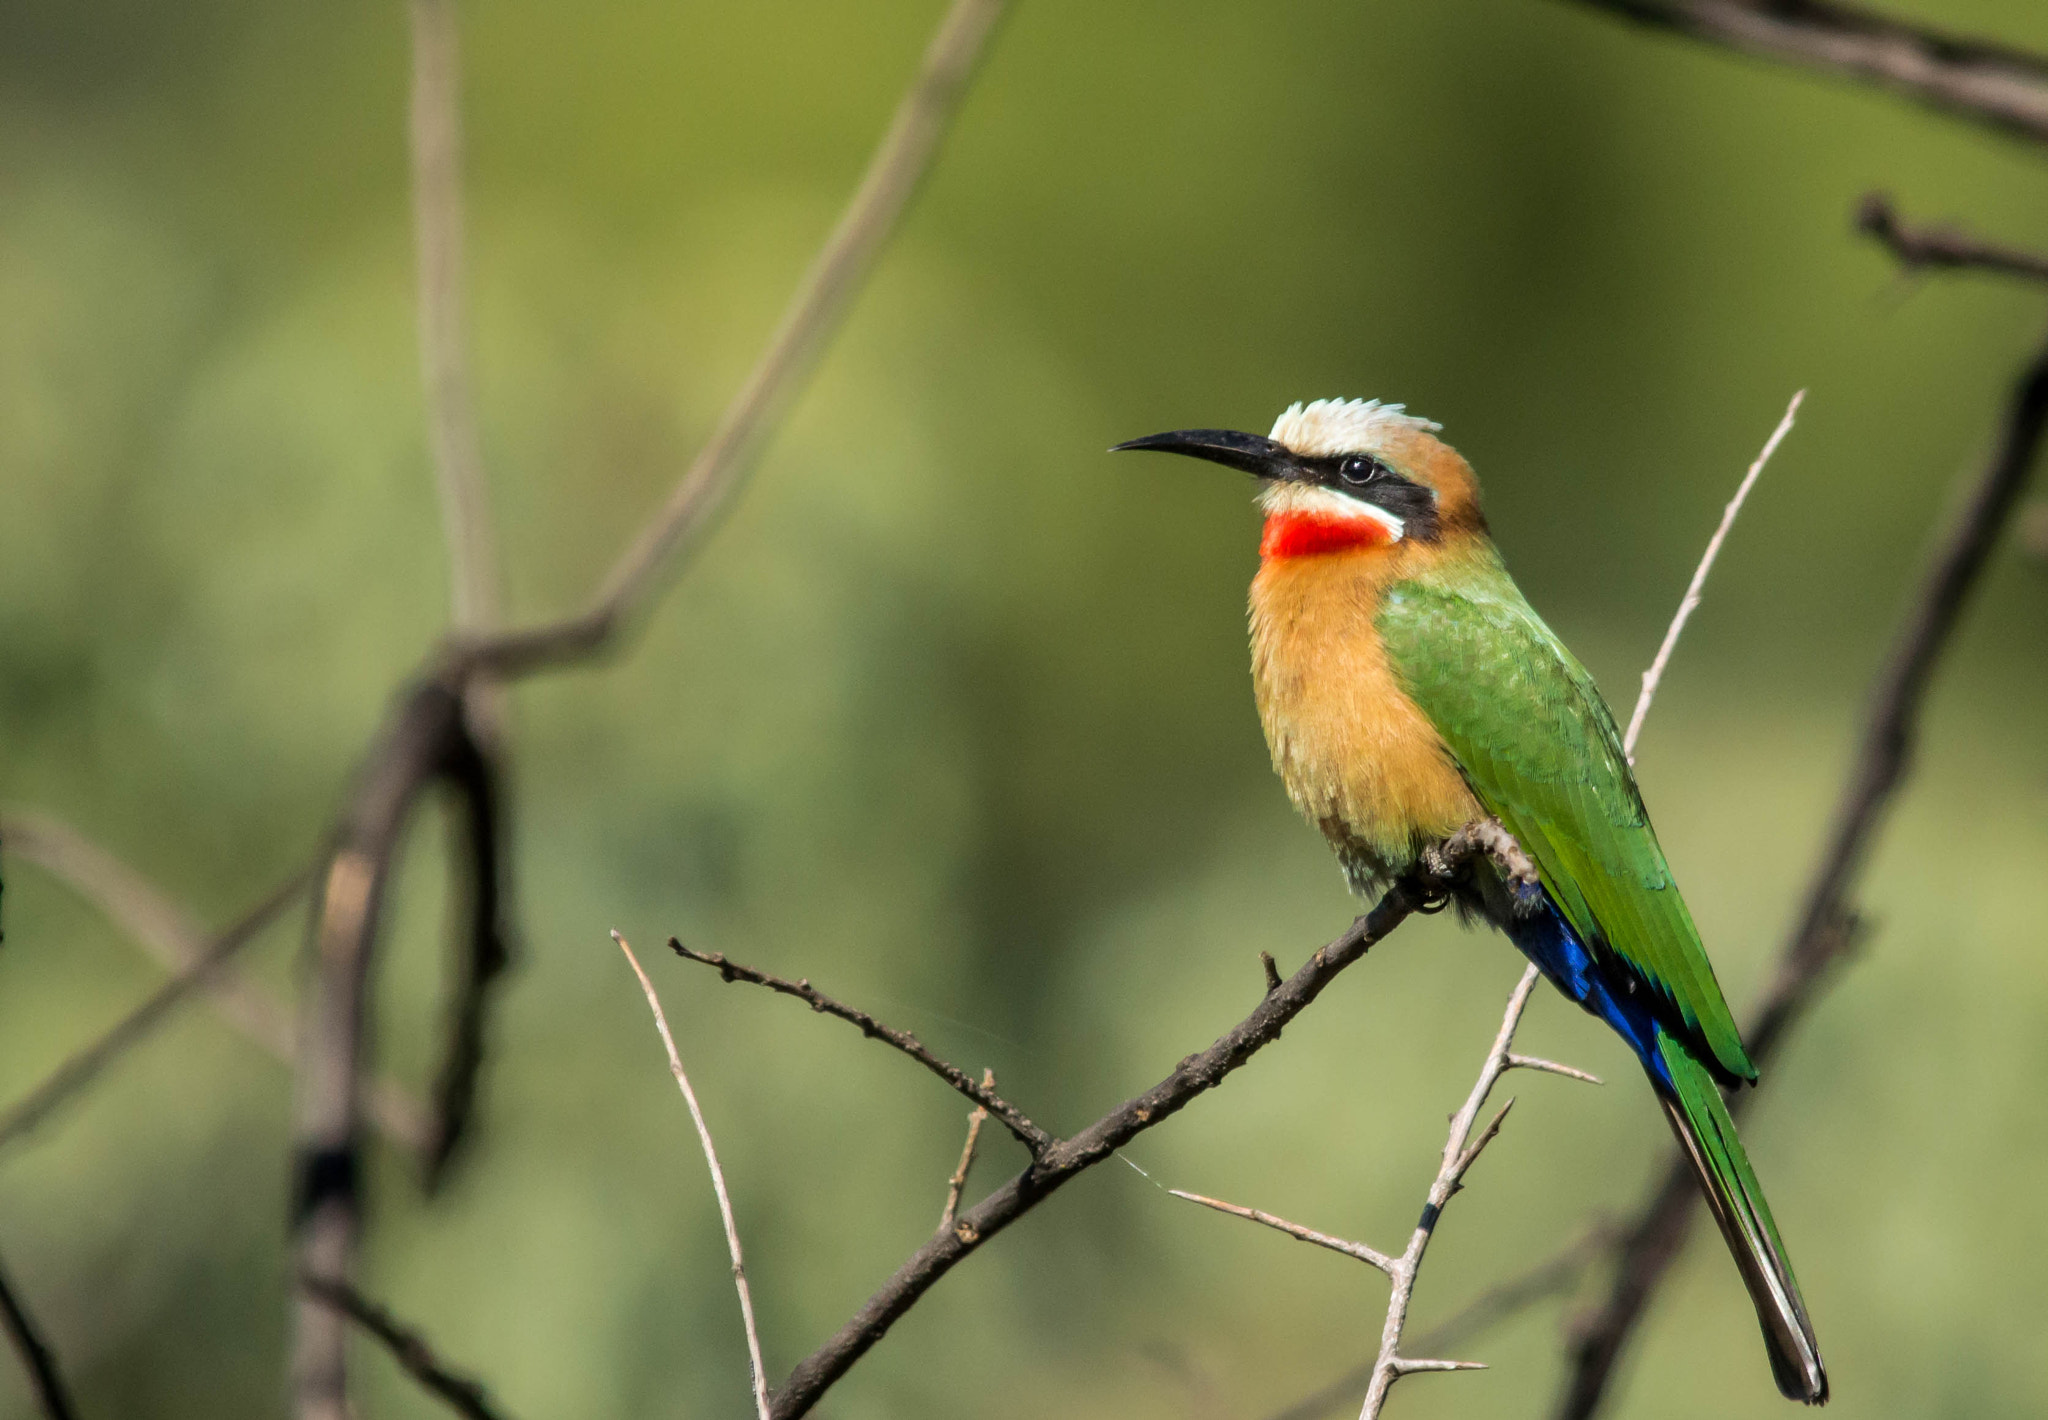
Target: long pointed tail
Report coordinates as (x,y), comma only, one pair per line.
(1698,1117)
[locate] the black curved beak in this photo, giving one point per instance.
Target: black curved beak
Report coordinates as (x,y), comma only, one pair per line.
(1253,453)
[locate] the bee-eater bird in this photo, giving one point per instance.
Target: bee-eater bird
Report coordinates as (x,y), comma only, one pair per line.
(1407,689)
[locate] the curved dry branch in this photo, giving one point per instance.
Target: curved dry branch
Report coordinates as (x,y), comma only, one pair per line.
(812,318)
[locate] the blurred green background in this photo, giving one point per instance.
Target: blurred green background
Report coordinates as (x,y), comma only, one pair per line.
(953,715)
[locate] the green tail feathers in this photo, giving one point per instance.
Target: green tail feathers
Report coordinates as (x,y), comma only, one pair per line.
(1701,1121)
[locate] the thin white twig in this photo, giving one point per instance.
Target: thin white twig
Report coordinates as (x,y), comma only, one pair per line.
(1371,1256)
(1697,588)
(1462,1147)
(732,1232)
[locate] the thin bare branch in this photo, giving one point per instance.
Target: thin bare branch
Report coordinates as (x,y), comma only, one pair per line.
(87,1065)
(1013,1119)
(732,1232)
(196,958)
(957,1184)
(1461,1150)
(1368,1255)
(1698,586)
(463,1394)
(442,314)
(1551,1067)
(1828,923)
(814,314)
(1942,248)
(1985,82)
(52,1396)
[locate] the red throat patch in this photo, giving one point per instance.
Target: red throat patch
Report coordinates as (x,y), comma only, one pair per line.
(1307,534)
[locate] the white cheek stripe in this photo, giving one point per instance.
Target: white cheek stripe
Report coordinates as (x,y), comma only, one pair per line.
(1317,502)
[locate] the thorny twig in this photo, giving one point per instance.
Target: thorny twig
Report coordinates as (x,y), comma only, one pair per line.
(957,1184)
(52,1396)
(732,1233)
(1828,922)
(1552,1276)
(983,1095)
(463,1394)
(1462,1147)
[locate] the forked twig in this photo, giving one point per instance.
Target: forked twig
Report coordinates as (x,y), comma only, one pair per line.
(1697,587)
(732,1232)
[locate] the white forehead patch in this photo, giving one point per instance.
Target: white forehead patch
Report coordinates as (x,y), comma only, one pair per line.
(1308,500)
(1342,426)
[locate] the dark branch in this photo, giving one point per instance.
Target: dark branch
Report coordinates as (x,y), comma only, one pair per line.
(1992,84)
(1827,924)
(35,1353)
(88,1064)
(1926,248)
(1065,1159)
(463,1395)
(472,772)
(982,1094)
(418,742)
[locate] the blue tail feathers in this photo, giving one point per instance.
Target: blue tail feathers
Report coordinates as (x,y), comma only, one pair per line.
(1544,937)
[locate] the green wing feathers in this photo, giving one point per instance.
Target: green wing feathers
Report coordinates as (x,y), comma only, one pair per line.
(1537,744)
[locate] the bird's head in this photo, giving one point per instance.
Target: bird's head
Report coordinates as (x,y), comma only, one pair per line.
(1340,474)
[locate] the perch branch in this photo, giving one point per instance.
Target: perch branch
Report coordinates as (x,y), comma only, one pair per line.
(732,1233)
(1975,79)
(1942,248)
(957,1184)
(464,1395)
(1065,1159)
(195,958)
(1827,923)
(982,1095)
(813,316)
(36,1357)
(1698,586)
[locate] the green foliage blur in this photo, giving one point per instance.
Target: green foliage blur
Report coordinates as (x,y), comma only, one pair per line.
(952,716)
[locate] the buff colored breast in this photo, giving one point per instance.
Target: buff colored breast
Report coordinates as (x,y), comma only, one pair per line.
(1357,756)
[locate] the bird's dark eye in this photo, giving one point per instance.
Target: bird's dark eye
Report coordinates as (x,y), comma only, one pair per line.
(1358,470)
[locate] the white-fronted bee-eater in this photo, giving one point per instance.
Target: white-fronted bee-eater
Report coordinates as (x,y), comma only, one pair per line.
(1407,689)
